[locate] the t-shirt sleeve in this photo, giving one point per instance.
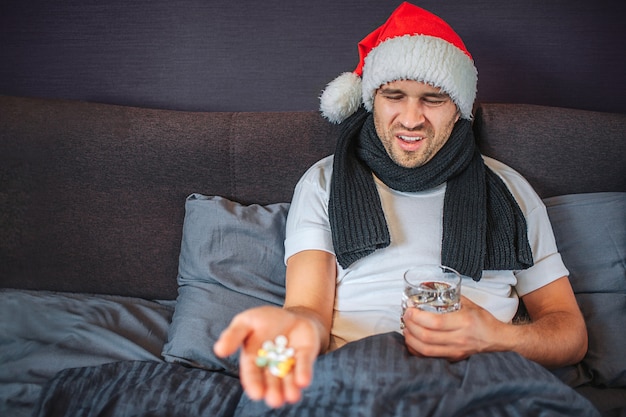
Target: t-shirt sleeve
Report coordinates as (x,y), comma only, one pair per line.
(308,227)
(548,264)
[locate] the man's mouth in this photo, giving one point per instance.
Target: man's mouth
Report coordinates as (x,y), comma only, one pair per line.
(410,138)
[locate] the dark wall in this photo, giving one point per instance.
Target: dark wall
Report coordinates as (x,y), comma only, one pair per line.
(252,55)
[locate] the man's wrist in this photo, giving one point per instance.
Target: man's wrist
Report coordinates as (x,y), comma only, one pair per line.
(316,322)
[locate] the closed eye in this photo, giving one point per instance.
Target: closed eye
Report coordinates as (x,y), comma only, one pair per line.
(392,94)
(393,97)
(435,101)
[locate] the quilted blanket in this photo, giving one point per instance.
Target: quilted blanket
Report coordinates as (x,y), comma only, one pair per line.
(375,376)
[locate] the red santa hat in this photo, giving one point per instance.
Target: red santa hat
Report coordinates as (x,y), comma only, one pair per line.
(413,44)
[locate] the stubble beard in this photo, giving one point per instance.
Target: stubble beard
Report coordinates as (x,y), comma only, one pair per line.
(404,158)
(432,144)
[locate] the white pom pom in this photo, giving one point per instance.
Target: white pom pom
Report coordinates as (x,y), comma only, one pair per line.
(341,98)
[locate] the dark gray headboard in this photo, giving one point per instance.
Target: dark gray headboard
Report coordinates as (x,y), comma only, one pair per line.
(558,150)
(92,195)
(251,55)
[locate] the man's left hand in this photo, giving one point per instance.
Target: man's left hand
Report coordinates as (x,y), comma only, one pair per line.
(453,336)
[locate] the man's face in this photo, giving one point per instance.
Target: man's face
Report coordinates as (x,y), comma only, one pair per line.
(413,120)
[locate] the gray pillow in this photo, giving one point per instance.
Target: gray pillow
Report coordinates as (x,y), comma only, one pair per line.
(231,259)
(590,231)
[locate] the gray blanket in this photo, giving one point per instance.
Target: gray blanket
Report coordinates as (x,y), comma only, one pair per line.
(372,377)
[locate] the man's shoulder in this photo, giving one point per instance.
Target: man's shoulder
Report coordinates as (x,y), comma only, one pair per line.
(521,189)
(326,162)
(318,174)
(323,167)
(507,173)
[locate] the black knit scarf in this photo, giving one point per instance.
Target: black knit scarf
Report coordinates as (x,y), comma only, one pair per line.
(483,227)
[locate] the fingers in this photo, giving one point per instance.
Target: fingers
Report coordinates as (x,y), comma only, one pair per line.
(292,391)
(426,343)
(252,377)
(275,391)
(243,326)
(274,397)
(248,331)
(278,391)
(415,317)
(259,384)
(231,339)
(303,369)
(453,335)
(431,334)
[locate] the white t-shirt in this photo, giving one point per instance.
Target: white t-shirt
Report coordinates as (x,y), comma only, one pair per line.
(368,292)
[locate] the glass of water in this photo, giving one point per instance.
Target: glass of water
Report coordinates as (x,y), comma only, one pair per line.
(434,288)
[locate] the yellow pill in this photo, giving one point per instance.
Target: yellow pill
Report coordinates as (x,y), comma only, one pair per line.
(283,368)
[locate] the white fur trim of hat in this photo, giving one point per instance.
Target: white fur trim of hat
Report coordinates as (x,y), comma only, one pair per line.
(415,45)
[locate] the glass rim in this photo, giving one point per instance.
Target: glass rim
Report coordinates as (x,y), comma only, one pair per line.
(444,269)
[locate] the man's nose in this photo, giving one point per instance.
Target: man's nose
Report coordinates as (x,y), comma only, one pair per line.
(412,116)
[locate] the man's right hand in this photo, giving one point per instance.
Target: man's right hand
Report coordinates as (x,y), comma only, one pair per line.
(249,329)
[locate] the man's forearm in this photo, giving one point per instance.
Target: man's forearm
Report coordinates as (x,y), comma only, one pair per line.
(556,339)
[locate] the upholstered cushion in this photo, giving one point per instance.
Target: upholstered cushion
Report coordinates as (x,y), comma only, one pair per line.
(551,146)
(590,231)
(231,259)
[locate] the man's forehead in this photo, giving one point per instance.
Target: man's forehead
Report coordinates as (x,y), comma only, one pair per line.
(405,86)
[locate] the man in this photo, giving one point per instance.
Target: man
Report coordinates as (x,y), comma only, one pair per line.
(406,186)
